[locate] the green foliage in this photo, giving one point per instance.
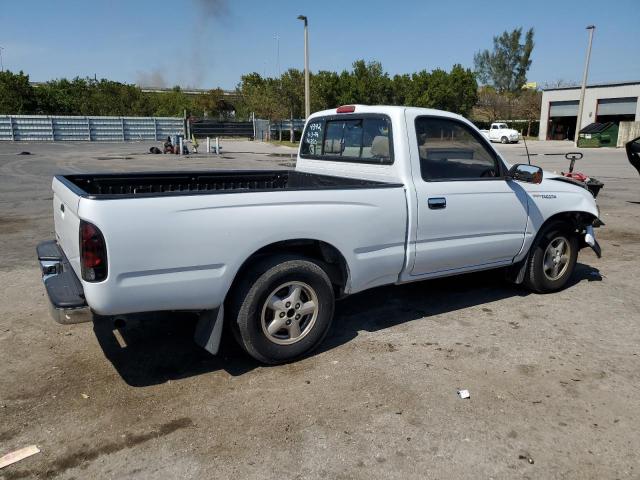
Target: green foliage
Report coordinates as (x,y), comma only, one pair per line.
(505,68)
(270,98)
(212,104)
(366,83)
(16,94)
(84,96)
(325,90)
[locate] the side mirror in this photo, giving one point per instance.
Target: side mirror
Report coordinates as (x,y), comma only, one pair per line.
(526,173)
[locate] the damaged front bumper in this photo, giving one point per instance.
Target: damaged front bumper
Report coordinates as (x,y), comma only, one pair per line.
(590,239)
(66,296)
(590,236)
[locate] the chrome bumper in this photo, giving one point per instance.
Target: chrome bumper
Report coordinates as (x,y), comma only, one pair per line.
(66,296)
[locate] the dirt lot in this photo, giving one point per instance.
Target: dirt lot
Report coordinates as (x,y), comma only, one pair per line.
(553,378)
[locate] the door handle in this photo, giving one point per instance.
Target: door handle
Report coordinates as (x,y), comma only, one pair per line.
(437,203)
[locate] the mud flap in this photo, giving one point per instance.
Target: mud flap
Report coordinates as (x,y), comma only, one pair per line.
(209,330)
(515,273)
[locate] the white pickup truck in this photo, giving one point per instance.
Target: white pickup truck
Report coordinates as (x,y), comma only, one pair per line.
(500,132)
(380,195)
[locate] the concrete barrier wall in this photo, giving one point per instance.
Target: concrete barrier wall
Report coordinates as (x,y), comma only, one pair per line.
(627,132)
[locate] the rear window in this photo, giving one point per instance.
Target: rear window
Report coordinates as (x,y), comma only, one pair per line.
(351,139)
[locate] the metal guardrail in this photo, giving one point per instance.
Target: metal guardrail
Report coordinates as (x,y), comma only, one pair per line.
(216,128)
(298,125)
(97,129)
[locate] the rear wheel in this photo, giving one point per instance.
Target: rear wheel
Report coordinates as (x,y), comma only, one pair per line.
(282,308)
(552,259)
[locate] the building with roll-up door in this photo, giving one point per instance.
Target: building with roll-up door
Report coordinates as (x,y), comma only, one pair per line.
(605,102)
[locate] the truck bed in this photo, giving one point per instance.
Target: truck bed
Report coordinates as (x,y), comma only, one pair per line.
(117,185)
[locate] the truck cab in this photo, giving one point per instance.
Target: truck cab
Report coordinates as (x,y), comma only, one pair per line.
(500,132)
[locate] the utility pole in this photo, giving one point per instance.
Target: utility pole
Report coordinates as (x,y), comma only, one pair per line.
(591,28)
(277,38)
(1,65)
(307,97)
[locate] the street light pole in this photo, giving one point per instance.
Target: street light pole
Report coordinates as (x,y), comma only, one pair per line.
(591,28)
(1,65)
(277,38)
(307,97)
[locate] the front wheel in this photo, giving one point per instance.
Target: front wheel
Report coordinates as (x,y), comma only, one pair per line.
(282,309)
(504,140)
(553,259)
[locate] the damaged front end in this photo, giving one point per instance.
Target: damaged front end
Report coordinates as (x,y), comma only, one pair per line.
(588,183)
(589,236)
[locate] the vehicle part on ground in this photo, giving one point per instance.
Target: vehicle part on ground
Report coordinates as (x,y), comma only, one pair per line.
(592,184)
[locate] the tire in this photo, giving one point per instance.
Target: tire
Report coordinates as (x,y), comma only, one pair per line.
(268,322)
(504,140)
(546,270)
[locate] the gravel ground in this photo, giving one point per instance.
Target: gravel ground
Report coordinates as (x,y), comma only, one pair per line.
(554,379)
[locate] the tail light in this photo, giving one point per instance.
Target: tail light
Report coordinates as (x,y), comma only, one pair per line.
(93,253)
(346,109)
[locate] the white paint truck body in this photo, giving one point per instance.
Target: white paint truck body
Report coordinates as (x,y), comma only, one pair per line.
(422,195)
(500,132)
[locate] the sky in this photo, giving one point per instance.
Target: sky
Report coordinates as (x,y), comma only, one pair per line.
(211,43)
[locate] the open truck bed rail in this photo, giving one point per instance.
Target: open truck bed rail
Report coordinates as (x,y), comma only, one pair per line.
(116,185)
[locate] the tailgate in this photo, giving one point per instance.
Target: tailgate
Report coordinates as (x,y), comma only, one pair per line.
(67,222)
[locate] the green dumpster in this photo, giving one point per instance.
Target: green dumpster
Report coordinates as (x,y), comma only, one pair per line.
(598,135)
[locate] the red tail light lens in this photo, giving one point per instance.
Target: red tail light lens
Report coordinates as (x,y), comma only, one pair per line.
(346,109)
(93,253)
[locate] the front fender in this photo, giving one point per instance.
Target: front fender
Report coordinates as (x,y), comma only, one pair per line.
(552,199)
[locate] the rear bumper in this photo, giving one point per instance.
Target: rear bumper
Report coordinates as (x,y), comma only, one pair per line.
(66,295)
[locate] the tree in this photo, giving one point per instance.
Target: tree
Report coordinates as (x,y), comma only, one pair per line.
(367,83)
(456,91)
(16,94)
(261,96)
(212,103)
(325,90)
(528,106)
(172,103)
(505,68)
(401,89)
(291,90)
(491,105)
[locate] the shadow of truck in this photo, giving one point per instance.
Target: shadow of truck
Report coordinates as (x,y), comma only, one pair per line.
(150,349)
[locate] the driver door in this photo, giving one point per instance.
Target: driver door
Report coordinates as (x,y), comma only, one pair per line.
(469,216)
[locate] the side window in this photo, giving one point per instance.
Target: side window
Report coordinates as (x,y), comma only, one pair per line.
(312,140)
(451,150)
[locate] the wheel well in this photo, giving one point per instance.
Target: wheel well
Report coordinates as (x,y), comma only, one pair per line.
(578,220)
(332,260)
